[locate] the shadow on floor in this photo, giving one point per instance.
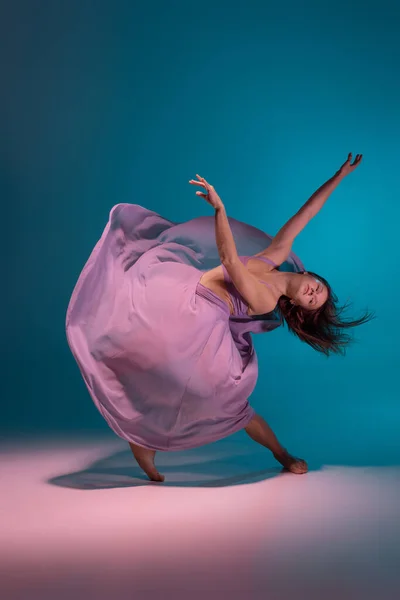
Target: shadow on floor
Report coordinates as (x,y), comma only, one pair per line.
(200,467)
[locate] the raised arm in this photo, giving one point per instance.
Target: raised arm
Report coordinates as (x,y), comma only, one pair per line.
(248,285)
(281,245)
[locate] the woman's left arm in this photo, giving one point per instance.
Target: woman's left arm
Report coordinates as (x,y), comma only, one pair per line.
(281,245)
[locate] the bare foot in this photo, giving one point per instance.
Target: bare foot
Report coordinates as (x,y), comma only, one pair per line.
(145,460)
(291,463)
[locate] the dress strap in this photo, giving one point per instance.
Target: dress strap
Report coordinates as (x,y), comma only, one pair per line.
(226,274)
(246,258)
(268,260)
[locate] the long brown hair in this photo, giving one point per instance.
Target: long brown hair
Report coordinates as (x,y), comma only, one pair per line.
(323,328)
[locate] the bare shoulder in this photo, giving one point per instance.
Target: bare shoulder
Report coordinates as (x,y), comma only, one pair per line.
(258,264)
(247,280)
(277,252)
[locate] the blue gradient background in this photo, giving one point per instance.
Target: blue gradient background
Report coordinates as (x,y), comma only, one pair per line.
(107,102)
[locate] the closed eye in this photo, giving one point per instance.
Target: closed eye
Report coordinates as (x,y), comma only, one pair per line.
(314,298)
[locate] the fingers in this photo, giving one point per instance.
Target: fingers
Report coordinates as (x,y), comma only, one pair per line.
(201,182)
(202,195)
(207,185)
(357,160)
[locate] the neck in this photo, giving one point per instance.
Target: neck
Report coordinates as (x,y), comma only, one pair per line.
(284,282)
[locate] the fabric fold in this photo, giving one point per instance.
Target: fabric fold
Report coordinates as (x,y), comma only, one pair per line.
(165,363)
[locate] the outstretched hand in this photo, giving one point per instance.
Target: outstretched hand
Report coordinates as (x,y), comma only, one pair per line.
(347,167)
(211,196)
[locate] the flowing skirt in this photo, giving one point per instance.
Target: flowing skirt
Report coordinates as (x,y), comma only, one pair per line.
(155,347)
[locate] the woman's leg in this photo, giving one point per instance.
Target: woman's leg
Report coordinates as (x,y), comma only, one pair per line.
(261,432)
(145,460)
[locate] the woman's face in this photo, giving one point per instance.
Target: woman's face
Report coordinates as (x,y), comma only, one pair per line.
(311,293)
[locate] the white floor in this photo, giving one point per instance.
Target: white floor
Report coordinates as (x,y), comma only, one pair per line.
(78,520)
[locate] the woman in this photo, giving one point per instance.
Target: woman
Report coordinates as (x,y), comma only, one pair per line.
(161,317)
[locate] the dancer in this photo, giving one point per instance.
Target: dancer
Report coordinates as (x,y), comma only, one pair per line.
(161,317)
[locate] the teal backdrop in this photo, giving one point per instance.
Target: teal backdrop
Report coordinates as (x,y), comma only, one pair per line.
(124,101)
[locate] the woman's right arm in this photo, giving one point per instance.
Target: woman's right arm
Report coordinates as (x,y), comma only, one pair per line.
(281,245)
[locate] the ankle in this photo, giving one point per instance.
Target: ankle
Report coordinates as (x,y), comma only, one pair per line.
(280,452)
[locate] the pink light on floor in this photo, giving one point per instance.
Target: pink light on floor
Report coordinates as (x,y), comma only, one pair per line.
(216,529)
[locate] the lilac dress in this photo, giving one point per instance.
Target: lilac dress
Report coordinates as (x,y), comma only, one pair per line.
(165,363)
